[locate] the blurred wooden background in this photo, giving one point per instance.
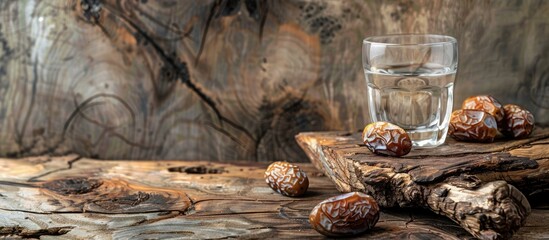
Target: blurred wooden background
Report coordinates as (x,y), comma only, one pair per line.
(228,80)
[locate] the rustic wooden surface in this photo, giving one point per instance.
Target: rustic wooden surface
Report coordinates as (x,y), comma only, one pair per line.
(229,80)
(78,198)
(463,181)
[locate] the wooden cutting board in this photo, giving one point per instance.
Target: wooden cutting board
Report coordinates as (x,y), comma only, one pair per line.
(481,186)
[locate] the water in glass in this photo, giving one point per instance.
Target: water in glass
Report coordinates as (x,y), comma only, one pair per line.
(417,98)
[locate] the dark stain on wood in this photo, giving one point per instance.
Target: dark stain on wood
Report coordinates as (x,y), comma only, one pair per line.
(283,118)
(258,10)
(166,83)
(5,54)
(538,199)
(228,8)
(130,200)
(21,232)
(69,186)
(326,26)
(201,169)
(111,196)
(91,9)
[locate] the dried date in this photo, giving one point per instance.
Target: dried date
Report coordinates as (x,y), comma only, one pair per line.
(386,139)
(485,103)
(518,122)
(345,215)
(286,179)
(472,125)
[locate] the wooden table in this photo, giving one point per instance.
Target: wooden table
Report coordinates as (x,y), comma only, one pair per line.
(79,198)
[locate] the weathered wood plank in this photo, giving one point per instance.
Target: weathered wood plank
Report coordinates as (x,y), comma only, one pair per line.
(460,180)
(231,200)
(229,80)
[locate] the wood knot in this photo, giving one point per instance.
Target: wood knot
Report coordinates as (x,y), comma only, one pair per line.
(130,200)
(414,194)
(201,169)
(72,185)
(285,116)
(318,21)
(91,9)
(111,196)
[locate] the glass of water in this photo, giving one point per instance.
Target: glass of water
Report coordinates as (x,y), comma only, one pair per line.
(410,81)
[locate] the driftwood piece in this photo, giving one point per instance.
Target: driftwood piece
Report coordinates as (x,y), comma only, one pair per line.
(61,197)
(463,181)
(127,79)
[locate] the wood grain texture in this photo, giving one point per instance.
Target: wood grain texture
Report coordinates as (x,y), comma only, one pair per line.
(227,201)
(227,80)
(461,180)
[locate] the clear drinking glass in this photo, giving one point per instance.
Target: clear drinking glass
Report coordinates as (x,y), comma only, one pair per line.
(410,81)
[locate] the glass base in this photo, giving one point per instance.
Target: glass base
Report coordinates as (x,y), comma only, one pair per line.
(427,138)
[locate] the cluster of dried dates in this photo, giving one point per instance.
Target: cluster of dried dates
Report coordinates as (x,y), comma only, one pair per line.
(482,117)
(344,215)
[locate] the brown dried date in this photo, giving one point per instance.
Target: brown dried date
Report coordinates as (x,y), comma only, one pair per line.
(485,103)
(286,179)
(345,215)
(518,122)
(386,139)
(472,125)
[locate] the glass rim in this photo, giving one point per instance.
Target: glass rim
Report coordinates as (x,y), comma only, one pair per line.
(444,39)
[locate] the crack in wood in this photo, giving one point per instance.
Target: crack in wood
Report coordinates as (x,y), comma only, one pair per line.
(215,5)
(183,71)
(233,213)
(258,10)
(16,184)
(183,34)
(409,220)
(88,102)
(282,213)
(92,212)
(177,233)
(161,216)
(38,233)
(69,166)
(19,133)
(248,200)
